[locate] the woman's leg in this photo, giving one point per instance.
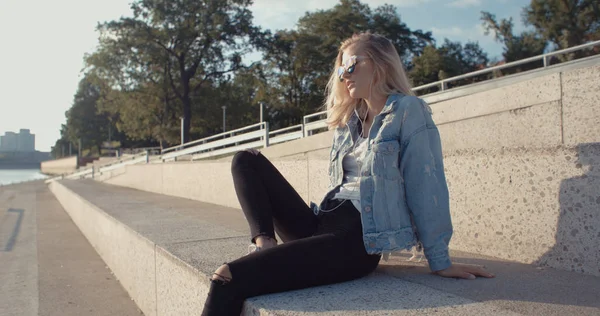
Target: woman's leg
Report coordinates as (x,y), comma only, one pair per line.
(336,254)
(267,197)
(269,203)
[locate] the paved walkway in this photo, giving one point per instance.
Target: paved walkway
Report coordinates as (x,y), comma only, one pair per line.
(47,267)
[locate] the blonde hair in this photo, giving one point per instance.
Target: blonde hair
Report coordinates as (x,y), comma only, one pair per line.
(387,65)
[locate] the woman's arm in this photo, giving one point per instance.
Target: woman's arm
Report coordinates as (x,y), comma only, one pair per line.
(427,194)
(426,190)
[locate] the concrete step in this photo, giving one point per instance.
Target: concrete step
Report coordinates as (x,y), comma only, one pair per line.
(48,268)
(163,250)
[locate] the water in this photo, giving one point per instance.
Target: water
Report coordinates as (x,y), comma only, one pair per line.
(8,176)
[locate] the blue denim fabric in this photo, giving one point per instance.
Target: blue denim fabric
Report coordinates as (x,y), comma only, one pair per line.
(403,190)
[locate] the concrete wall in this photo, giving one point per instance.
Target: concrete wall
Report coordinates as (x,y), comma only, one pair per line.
(59,166)
(522,162)
(99,162)
(70,164)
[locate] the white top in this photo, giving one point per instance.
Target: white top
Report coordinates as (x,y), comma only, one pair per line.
(350,189)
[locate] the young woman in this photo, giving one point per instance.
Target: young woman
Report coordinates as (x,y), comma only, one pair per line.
(387,190)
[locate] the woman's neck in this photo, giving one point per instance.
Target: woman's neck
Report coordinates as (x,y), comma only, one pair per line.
(375,105)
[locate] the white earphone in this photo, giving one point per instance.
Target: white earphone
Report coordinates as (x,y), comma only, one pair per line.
(362,121)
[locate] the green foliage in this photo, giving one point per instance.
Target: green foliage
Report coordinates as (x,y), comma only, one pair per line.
(297,63)
(183,44)
(449,60)
(60,148)
(240,95)
(565,23)
(427,66)
(516,46)
(84,122)
(183,58)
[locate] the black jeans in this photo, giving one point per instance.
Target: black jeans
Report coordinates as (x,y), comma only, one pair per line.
(317,250)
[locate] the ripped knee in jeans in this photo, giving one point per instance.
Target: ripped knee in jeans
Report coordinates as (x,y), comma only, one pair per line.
(222,275)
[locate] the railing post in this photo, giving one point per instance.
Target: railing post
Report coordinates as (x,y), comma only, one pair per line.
(545,58)
(303,126)
(262,106)
(147,156)
(231,135)
(266,134)
(444,85)
(302,129)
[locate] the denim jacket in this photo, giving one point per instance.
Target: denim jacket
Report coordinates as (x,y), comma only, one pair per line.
(403,191)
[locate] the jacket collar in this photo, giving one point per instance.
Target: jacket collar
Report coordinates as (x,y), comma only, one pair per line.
(390,102)
(387,108)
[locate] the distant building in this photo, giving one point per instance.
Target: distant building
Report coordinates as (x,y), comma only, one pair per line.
(23,142)
(8,142)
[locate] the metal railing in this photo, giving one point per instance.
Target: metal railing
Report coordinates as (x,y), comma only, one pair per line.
(258,135)
(291,133)
(80,174)
(311,126)
(90,172)
(252,136)
(443,84)
(136,151)
(135,159)
(313,123)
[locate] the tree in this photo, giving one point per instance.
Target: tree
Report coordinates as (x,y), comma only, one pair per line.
(201,39)
(297,63)
(463,59)
(59,150)
(143,114)
(135,88)
(565,23)
(84,122)
(351,16)
(426,67)
(451,59)
(516,47)
(296,73)
(240,94)
(146,110)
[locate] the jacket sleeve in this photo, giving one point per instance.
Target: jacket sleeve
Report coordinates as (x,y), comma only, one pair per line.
(425,185)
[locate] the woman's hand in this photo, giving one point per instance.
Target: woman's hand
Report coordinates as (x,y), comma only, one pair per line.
(464,271)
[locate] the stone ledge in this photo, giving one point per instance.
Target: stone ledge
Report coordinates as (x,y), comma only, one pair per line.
(184,241)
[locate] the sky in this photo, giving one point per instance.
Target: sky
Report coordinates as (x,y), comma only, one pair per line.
(44,42)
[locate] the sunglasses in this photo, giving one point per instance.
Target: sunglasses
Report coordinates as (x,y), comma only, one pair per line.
(348,66)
